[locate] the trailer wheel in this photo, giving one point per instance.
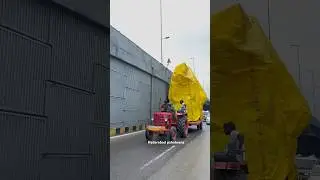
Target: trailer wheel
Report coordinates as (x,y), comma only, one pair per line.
(173,133)
(149,135)
(201,125)
(182,127)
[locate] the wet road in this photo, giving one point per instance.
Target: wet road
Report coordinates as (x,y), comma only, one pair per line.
(132,158)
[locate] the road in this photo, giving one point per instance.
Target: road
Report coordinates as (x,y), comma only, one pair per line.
(133,159)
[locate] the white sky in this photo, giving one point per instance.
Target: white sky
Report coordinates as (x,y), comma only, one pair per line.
(186,22)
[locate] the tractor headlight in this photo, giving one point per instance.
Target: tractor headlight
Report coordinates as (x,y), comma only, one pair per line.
(151,119)
(166,119)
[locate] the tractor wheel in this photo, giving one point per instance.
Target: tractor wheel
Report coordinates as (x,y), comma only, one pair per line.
(182,127)
(149,135)
(173,133)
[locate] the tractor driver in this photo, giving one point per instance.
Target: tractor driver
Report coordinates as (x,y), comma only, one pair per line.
(166,106)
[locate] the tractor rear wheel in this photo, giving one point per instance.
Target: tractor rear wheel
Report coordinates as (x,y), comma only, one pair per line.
(182,127)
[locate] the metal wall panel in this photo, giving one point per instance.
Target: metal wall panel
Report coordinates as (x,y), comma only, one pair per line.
(21,140)
(69,112)
(23,71)
(53,94)
(101,86)
(76,46)
(24,16)
(71,168)
(95,10)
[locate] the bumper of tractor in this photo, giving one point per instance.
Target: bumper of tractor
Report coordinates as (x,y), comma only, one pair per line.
(157,129)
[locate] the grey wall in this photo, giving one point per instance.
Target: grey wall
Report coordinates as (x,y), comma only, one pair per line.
(137,83)
(291,22)
(53,94)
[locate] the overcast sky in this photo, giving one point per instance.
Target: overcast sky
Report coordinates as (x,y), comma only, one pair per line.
(186,22)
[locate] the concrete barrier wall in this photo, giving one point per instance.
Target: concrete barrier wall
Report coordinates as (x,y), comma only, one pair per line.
(138,84)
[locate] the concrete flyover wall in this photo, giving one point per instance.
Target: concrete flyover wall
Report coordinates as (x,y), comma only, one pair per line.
(138,84)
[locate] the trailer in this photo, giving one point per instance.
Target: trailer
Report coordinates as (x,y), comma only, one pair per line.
(185,87)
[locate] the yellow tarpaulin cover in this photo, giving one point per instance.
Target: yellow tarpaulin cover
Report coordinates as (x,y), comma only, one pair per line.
(251,87)
(185,86)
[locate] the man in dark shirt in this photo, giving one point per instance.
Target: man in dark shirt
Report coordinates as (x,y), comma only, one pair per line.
(235,147)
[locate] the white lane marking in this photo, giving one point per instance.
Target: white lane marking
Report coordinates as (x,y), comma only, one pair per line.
(123,135)
(156,158)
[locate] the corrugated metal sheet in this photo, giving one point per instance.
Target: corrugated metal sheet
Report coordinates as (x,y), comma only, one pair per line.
(23,71)
(75,49)
(29,20)
(21,138)
(54,87)
(69,113)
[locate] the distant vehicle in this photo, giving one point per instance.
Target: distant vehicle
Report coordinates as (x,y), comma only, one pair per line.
(206,114)
(208,120)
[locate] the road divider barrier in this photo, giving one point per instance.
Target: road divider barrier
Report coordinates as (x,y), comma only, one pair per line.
(126,130)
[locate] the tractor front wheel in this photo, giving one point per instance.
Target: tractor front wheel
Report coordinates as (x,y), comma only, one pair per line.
(149,135)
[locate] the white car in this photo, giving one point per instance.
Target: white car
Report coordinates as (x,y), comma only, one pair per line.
(205,115)
(208,120)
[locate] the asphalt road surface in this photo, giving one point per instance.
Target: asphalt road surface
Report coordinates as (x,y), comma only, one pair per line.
(132,158)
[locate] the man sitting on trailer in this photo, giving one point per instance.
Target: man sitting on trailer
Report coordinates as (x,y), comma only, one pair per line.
(235,147)
(183,108)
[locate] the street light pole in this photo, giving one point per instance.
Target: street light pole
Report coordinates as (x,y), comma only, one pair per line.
(194,67)
(269,24)
(313,89)
(161,38)
(297,46)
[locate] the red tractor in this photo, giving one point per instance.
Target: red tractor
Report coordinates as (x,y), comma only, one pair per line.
(168,125)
